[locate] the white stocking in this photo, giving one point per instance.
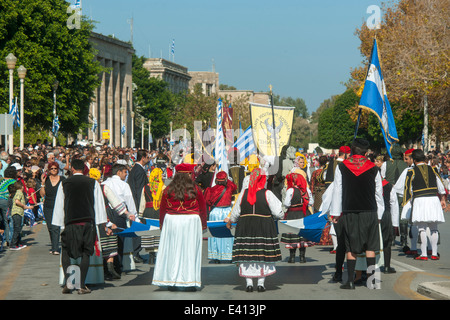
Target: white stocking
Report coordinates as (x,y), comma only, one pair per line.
(424,241)
(261,281)
(334,239)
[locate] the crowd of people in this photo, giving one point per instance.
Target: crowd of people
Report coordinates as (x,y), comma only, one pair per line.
(87,195)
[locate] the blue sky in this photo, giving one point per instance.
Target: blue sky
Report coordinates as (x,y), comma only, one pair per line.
(304,49)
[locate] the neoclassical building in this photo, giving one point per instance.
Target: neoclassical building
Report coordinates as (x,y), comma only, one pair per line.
(112,103)
(175,75)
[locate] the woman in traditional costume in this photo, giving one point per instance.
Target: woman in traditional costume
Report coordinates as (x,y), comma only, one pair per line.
(218,199)
(182,218)
(256,248)
(297,200)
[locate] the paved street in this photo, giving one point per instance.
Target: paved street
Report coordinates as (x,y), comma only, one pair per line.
(32,274)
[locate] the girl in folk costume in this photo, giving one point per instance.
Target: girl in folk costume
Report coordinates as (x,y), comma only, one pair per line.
(301,165)
(182,217)
(149,208)
(298,198)
(256,248)
(218,198)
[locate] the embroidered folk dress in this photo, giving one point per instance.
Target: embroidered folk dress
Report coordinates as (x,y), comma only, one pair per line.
(256,248)
(180,248)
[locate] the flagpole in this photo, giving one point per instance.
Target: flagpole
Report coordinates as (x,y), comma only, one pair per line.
(273,122)
(360,109)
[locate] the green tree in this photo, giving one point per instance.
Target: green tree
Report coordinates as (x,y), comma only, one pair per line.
(336,127)
(300,106)
(36,32)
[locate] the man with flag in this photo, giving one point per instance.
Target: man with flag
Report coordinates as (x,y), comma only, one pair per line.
(358,204)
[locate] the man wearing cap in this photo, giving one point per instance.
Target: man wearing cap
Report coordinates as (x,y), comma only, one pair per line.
(358,204)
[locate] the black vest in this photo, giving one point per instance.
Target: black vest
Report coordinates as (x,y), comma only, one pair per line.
(329,169)
(394,169)
(78,199)
(297,199)
(424,182)
(260,207)
(387,188)
(358,192)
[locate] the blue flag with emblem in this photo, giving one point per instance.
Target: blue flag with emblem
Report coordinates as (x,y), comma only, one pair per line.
(374,99)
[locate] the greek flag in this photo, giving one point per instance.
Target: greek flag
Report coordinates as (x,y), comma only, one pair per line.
(77,4)
(245,144)
(123,130)
(173,47)
(56,125)
(41,210)
(220,152)
(94,125)
(374,98)
(14,110)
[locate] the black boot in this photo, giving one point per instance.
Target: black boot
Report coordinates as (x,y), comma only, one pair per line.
(302,255)
(291,256)
(111,270)
(403,235)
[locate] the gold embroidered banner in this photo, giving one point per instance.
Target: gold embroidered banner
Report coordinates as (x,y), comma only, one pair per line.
(265,134)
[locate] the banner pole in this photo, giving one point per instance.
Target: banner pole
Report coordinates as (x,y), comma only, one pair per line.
(273,122)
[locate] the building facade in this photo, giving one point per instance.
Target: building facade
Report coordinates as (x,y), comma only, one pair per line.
(175,75)
(112,105)
(209,81)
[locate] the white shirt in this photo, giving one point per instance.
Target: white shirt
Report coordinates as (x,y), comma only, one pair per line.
(290,193)
(99,206)
(399,186)
(122,191)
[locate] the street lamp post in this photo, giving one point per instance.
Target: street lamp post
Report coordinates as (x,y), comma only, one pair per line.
(171,137)
(110,125)
(142,132)
(122,110)
(22,71)
(55,87)
(11,63)
(132,129)
(149,134)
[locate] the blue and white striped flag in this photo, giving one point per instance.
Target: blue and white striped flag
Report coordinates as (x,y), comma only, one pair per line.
(94,125)
(77,4)
(220,153)
(245,144)
(374,98)
(56,125)
(173,47)
(14,111)
(123,130)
